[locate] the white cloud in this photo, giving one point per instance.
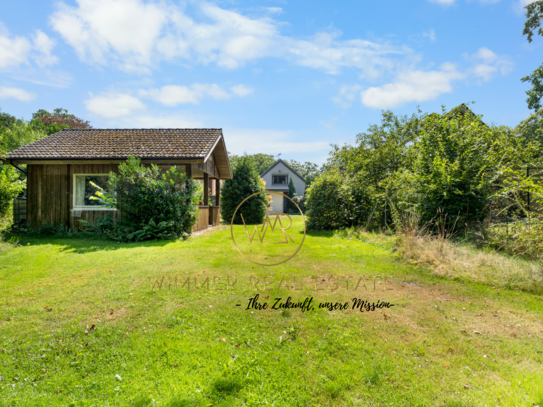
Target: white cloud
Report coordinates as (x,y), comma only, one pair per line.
(347,94)
(136,36)
(519,6)
(488,64)
(430,34)
(56,79)
(172,95)
(443,2)
(241,90)
(113,105)
(13,50)
(17,50)
(274,10)
(43,46)
(325,52)
(269,141)
(158,121)
(22,95)
(412,86)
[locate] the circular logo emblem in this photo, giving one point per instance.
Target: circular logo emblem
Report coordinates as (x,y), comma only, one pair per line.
(277,239)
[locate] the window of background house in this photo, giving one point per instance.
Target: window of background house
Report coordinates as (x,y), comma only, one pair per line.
(279,179)
(83,190)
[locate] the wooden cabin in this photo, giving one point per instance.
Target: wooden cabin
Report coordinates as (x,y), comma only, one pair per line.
(60,166)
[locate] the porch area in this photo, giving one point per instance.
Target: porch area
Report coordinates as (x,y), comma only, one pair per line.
(208,216)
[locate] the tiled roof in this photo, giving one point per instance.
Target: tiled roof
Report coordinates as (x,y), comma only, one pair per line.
(120,143)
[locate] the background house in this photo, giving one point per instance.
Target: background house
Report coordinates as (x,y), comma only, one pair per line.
(59,168)
(277,178)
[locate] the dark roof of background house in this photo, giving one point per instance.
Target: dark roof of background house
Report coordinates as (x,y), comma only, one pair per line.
(286,165)
(120,143)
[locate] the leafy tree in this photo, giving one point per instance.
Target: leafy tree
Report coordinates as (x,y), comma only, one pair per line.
(534,15)
(7,120)
(441,166)
(380,151)
(12,182)
(58,120)
(19,134)
(536,92)
(308,170)
(531,130)
(261,161)
(458,159)
(532,25)
(245,182)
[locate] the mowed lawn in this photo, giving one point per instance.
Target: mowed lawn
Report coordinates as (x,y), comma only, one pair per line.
(81,326)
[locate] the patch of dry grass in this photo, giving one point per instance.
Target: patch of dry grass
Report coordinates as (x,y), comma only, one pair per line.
(459,260)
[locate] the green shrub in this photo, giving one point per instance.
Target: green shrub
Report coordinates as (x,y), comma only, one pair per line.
(153,204)
(10,186)
(522,237)
(291,208)
(337,201)
(458,160)
(244,183)
(300,201)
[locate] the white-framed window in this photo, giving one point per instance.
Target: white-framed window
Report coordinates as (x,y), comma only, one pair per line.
(279,179)
(83,190)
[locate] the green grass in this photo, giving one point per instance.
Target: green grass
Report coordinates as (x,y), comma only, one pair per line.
(197,348)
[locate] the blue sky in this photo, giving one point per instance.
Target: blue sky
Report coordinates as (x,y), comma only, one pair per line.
(277,76)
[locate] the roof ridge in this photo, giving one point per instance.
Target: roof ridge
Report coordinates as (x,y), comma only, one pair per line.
(280,160)
(162,128)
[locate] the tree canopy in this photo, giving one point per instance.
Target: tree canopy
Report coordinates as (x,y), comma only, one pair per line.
(260,161)
(531,130)
(308,170)
(58,120)
(440,166)
(534,16)
(7,120)
(535,94)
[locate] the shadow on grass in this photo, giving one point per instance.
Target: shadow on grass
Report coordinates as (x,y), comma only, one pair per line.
(227,386)
(320,233)
(80,244)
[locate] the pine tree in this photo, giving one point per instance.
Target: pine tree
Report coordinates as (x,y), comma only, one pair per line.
(246,181)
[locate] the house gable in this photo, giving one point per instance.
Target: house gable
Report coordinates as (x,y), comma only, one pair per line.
(281,168)
(279,161)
